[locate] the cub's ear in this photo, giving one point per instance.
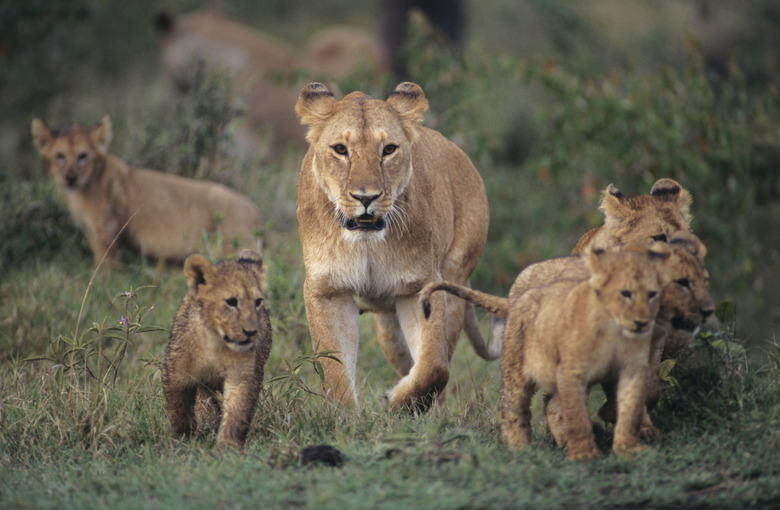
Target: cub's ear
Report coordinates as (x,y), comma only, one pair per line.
(199,271)
(254,262)
(408,99)
(613,205)
(690,243)
(596,260)
(101,135)
(41,135)
(670,190)
(314,106)
(659,251)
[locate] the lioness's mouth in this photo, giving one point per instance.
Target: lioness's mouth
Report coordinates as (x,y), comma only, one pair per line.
(365,222)
(684,324)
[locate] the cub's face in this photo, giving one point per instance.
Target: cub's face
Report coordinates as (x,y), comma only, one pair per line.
(362,154)
(645,218)
(686,302)
(628,282)
(232,298)
(72,156)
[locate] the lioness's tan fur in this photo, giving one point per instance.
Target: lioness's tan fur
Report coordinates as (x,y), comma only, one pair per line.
(261,66)
(384,207)
(220,341)
(159,214)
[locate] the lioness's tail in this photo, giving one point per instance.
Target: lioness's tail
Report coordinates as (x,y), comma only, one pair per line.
(493,304)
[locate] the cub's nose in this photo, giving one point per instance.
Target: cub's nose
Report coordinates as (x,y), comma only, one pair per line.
(251,333)
(641,325)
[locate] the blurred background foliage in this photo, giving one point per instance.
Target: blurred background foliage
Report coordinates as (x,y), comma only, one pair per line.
(553,100)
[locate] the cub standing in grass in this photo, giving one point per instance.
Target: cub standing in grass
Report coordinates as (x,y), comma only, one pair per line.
(568,333)
(161,215)
(220,342)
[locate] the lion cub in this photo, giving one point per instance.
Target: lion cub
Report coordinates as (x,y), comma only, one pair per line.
(568,336)
(220,341)
(160,214)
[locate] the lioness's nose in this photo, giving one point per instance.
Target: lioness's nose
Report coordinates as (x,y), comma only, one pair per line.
(365,199)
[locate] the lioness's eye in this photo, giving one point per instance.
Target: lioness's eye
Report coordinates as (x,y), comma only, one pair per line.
(389,149)
(340,149)
(652,294)
(232,301)
(683,282)
(659,237)
(626,294)
(258,302)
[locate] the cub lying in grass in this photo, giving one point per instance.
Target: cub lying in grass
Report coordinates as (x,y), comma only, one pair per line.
(568,335)
(220,342)
(161,215)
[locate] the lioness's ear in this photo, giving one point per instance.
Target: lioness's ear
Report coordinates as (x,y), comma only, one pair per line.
(670,190)
(613,204)
(409,101)
(254,262)
(41,135)
(314,106)
(199,271)
(101,135)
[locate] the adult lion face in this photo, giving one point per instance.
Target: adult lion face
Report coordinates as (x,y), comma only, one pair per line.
(362,154)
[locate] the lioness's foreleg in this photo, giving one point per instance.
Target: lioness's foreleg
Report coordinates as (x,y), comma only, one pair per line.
(429,344)
(333,323)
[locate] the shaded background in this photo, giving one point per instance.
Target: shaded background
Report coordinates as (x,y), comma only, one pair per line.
(553,100)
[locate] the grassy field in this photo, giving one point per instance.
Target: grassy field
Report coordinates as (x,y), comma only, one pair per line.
(82,420)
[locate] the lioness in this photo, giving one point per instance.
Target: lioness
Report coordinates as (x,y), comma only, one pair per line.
(261,67)
(161,215)
(384,206)
(220,341)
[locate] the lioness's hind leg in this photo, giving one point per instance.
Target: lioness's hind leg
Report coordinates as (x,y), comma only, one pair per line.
(392,341)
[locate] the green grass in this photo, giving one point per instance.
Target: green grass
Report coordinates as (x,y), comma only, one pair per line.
(82,415)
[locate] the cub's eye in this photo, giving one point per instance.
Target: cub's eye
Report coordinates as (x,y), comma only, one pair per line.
(652,294)
(389,149)
(60,157)
(82,157)
(258,302)
(626,294)
(683,282)
(233,302)
(340,148)
(659,237)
